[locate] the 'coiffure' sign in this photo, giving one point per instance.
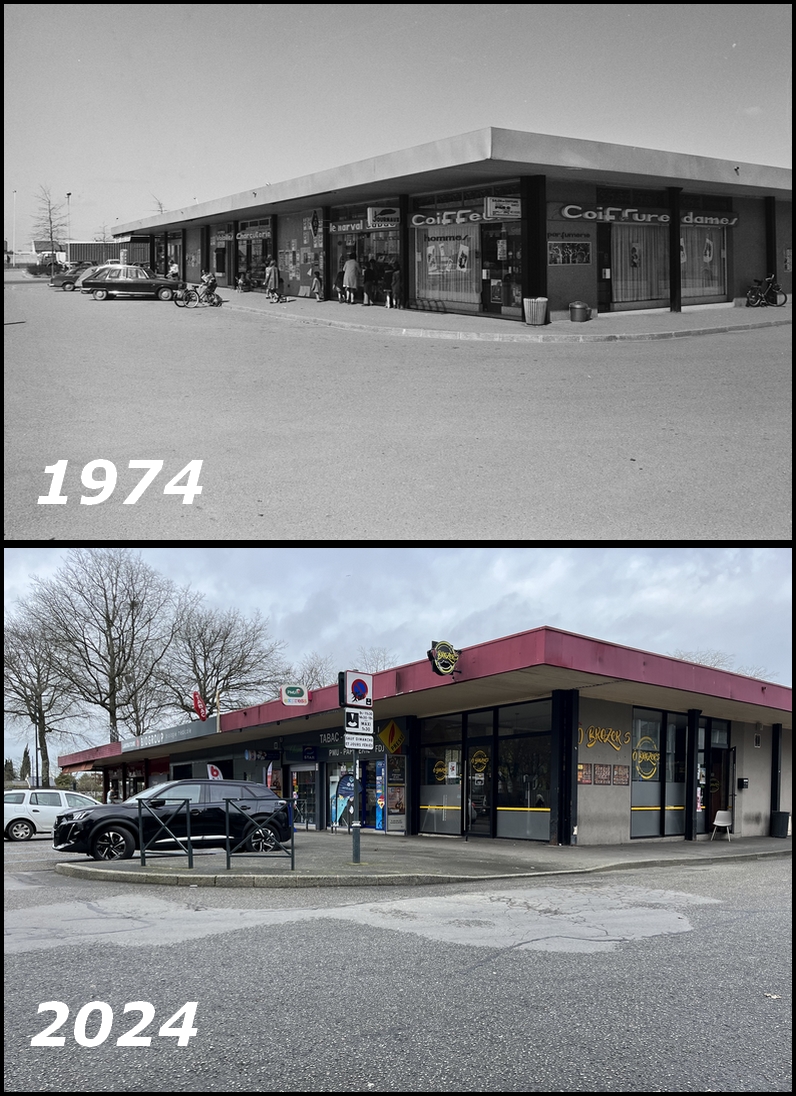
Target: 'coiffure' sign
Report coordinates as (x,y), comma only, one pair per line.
(494,209)
(383,217)
(630,215)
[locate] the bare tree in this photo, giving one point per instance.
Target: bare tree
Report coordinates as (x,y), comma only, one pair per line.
(372,659)
(109,620)
(314,671)
(721,660)
(221,651)
(159,206)
(36,691)
(49,221)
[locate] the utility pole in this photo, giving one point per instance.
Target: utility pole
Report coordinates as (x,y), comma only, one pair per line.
(68,229)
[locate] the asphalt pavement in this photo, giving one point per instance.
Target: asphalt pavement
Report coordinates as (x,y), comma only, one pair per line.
(325,859)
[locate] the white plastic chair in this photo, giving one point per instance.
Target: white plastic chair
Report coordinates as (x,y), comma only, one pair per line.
(723,819)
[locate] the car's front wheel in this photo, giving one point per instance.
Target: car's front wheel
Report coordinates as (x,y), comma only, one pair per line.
(165,294)
(20,830)
(100,294)
(68,287)
(263,840)
(113,843)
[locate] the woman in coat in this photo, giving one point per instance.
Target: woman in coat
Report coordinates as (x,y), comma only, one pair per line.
(351,275)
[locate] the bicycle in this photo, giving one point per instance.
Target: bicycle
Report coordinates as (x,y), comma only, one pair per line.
(765,293)
(275,296)
(190,297)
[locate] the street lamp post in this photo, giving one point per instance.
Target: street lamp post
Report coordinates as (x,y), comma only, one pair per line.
(68,229)
(14,236)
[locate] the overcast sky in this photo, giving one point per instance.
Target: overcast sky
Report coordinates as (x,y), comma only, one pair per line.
(333,600)
(124,106)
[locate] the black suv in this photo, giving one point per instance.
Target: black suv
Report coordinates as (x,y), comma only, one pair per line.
(109,831)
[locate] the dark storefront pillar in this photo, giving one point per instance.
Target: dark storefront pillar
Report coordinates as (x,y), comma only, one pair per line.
(675,284)
(403,248)
(776,765)
(771,237)
(533,235)
(564,767)
(691,762)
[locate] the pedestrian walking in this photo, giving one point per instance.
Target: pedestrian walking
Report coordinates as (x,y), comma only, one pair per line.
(369,283)
(397,290)
(339,288)
(316,288)
(352,272)
(272,281)
(386,285)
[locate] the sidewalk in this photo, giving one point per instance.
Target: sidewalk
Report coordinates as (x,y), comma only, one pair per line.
(605,327)
(416,323)
(324,859)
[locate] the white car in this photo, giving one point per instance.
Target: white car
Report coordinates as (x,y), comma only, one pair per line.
(33,810)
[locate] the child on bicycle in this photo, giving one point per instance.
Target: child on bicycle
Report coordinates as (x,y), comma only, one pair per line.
(208,284)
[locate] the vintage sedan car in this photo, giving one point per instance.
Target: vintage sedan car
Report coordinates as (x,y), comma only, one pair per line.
(110,831)
(34,810)
(67,279)
(129,281)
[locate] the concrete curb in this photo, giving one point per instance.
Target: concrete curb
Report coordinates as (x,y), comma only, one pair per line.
(369,879)
(526,337)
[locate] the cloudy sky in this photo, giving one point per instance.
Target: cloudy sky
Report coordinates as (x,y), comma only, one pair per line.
(334,600)
(102,102)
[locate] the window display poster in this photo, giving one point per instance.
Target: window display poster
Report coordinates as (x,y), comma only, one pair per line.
(396,801)
(622,774)
(602,774)
(584,773)
(568,253)
(396,769)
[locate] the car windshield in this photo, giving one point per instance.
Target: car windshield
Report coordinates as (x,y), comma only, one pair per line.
(155,792)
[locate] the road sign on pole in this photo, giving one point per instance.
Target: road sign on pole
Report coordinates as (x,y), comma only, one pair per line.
(359,720)
(358,741)
(355,689)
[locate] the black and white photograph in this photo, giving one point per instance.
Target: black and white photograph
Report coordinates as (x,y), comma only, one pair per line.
(577,274)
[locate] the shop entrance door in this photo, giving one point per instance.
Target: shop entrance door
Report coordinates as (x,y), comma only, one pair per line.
(719,791)
(478,786)
(373,794)
(500,269)
(302,782)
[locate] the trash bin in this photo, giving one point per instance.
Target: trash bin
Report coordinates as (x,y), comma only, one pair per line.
(579,311)
(535,310)
(779,823)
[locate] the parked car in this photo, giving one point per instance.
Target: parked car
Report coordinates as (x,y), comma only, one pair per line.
(33,810)
(116,280)
(67,279)
(110,831)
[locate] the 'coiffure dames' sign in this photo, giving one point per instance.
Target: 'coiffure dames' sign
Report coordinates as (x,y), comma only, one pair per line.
(630,215)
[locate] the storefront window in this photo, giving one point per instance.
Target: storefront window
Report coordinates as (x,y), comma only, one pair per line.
(645,774)
(448,263)
(446,728)
(254,250)
(441,789)
(523,794)
(674,815)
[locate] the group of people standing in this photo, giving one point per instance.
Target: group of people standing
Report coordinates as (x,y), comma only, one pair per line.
(377,281)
